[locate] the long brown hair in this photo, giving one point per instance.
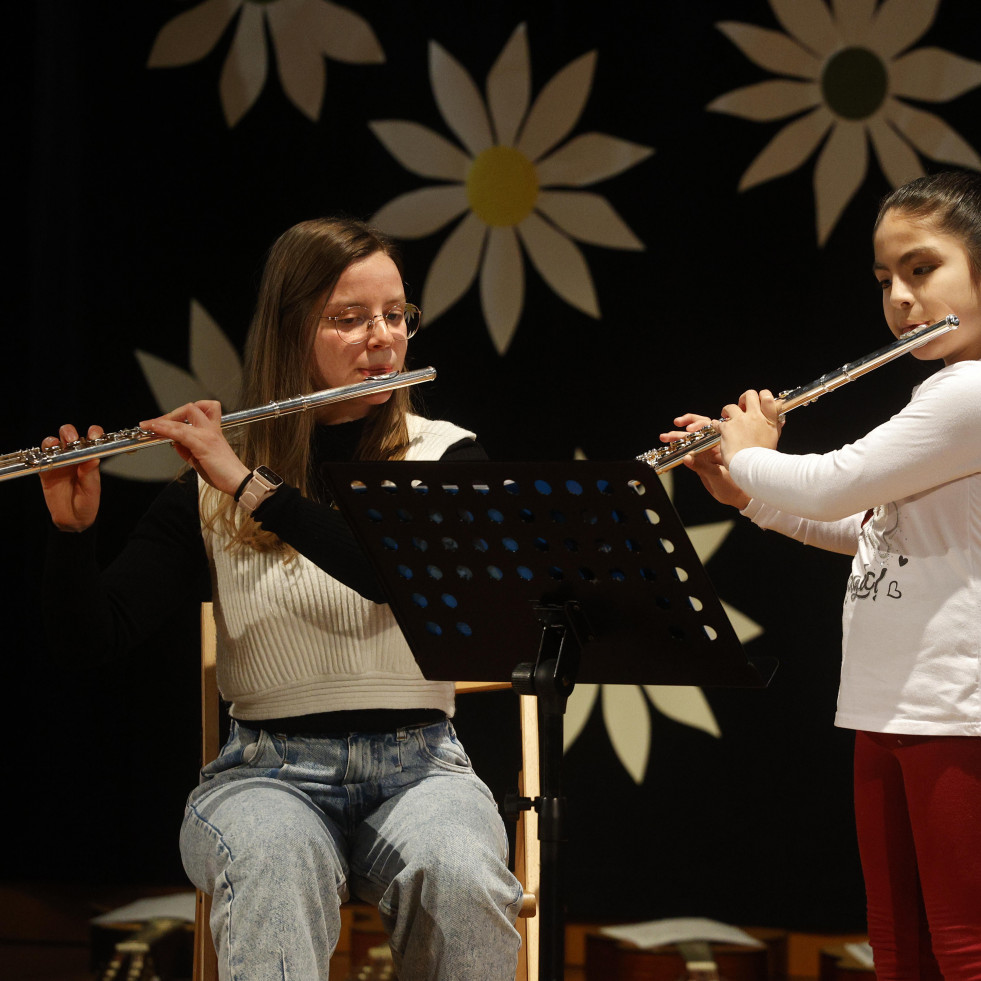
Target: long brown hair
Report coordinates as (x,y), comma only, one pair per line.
(301,271)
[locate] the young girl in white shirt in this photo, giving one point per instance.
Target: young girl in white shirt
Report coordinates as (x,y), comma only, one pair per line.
(905,501)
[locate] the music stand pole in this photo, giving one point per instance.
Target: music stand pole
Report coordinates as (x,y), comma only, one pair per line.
(551,680)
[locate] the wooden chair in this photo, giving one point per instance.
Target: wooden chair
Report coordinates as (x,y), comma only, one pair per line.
(527,864)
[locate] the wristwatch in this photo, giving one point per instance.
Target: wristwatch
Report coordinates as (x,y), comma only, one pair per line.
(259,485)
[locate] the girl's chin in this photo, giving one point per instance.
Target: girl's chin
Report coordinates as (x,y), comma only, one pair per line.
(348,410)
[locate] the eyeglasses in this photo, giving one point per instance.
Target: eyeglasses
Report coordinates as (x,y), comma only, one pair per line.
(355,324)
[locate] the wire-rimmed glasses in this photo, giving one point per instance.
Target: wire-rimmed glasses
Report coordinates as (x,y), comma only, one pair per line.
(355,324)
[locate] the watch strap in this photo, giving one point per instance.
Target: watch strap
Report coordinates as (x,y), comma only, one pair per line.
(259,485)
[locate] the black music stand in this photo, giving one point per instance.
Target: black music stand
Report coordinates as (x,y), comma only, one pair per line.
(585,562)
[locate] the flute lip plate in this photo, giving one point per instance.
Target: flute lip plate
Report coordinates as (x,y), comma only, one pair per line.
(950,320)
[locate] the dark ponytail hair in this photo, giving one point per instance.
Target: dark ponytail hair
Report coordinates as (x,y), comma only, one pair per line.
(950,202)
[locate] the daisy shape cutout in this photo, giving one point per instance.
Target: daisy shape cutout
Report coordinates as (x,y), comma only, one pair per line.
(216,373)
(303,32)
(627,708)
(845,78)
(508,180)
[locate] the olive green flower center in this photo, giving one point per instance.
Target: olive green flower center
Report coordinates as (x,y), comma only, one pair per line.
(854,83)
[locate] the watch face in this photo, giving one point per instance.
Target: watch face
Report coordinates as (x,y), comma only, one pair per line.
(266,473)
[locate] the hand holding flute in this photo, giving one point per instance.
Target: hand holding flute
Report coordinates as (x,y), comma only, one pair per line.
(196,432)
(73,493)
(752,421)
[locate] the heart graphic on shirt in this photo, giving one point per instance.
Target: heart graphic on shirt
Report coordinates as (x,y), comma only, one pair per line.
(903,560)
(894,591)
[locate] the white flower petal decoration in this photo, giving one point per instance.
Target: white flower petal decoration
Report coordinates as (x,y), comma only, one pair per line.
(854,19)
(745,627)
(422,212)
(299,57)
(502,285)
(344,35)
(303,33)
(421,150)
(558,107)
(590,158)
(854,60)
(684,704)
(588,218)
(454,268)
(808,20)
(170,385)
(214,360)
(459,100)
(509,87)
(502,174)
(706,539)
(774,99)
(839,173)
(788,149)
(192,34)
(899,162)
(771,50)
(560,264)
(932,75)
(899,23)
(243,76)
(578,709)
(628,724)
(925,131)
(216,373)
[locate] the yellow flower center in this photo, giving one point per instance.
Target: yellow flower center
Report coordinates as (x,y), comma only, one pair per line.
(502,186)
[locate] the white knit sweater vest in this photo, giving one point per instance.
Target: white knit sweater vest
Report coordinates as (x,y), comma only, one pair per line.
(293,641)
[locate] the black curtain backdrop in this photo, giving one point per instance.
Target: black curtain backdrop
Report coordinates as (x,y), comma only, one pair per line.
(129,195)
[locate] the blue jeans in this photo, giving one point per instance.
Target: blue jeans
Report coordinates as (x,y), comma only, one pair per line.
(282,829)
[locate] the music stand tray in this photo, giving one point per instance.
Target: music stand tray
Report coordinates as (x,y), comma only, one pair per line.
(584,562)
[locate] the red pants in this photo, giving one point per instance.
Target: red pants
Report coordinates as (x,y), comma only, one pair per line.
(918,815)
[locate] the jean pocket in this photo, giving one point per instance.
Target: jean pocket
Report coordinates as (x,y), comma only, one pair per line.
(245,749)
(438,744)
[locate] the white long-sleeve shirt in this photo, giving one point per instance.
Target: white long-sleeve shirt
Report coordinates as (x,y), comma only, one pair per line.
(905,501)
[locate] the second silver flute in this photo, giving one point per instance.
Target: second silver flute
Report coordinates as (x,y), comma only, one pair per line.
(671,454)
(36,460)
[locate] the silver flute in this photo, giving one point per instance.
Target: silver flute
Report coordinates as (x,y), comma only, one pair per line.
(36,460)
(671,454)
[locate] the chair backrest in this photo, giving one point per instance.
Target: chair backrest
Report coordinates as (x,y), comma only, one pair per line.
(527,861)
